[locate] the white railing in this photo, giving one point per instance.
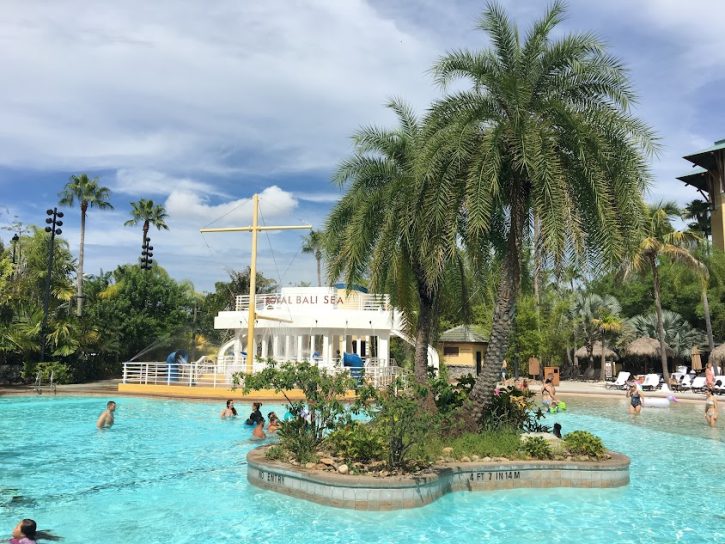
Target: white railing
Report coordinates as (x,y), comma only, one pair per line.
(204,374)
(278,301)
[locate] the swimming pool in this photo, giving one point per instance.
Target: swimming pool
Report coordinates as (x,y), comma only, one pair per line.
(173,472)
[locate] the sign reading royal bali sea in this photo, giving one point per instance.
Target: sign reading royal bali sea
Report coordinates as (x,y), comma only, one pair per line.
(300,299)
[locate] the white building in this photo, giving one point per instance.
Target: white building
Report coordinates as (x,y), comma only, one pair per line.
(317,324)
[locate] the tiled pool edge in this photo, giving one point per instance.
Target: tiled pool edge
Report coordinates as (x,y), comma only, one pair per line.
(370,493)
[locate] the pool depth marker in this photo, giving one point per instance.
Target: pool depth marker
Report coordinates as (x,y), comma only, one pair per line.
(254,228)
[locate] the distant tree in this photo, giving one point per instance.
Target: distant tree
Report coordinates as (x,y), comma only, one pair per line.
(89,194)
(313,243)
(147,213)
(701,212)
(679,334)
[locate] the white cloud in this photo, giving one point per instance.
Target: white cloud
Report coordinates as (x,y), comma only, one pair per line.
(137,182)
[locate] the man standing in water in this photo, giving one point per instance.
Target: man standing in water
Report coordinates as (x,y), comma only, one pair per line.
(106,418)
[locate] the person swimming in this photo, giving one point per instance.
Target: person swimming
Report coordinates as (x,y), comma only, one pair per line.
(230,410)
(256,414)
(105,420)
(274,423)
(258,432)
(26,532)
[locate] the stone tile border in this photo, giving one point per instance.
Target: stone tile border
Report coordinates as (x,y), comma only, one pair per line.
(394,493)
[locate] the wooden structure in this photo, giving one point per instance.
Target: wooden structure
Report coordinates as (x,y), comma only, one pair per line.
(463,350)
(709,179)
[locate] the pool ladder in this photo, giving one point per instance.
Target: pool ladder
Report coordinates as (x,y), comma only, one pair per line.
(39,383)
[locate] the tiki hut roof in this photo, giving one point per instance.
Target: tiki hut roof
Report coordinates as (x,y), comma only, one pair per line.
(646,347)
(581,353)
(461,333)
(717,356)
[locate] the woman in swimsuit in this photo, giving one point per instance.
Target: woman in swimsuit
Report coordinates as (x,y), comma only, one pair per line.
(711,408)
(635,399)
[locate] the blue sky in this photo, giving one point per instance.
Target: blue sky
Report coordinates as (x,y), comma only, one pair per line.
(198,105)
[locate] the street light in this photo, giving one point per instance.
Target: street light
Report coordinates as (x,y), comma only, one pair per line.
(53,222)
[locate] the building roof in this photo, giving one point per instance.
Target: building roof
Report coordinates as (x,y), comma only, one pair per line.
(462,333)
(706,157)
(697,178)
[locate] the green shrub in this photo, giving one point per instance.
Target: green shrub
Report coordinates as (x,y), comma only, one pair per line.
(513,408)
(357,442)
(61,372)
(537,447)
(584,443)
(502,443)
(276,453)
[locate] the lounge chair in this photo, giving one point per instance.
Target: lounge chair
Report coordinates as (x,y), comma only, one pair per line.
(698,384)
(719,385)
(620,382)
(651,382)
(686,382)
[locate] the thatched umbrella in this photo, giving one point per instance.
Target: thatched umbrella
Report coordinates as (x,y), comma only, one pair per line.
(646,347)
(581,353)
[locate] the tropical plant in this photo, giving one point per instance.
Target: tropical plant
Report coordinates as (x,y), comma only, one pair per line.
(701,212)
(377,228)
(609,322)
(89,194)
(149,214)
(679,334)
(544,131)
(584,443)
(661,240)
(313,243)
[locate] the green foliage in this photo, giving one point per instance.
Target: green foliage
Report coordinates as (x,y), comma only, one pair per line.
(449,397)
(500,443)
(357,442)
(61,372)
(321,412)
(514,409)
(276,453)
(537,447)
(584,443)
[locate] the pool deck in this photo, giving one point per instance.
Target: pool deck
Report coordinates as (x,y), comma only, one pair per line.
(110,388)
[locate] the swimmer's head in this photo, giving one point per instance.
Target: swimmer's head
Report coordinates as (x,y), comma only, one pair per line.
(26,528)
(111,405)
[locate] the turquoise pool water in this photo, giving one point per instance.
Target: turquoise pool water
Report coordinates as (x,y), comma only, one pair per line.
(173,472)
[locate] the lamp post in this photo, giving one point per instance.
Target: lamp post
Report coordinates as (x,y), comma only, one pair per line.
(15,240)
(146,254)
(53,221)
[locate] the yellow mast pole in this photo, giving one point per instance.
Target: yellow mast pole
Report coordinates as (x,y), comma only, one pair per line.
(251,347)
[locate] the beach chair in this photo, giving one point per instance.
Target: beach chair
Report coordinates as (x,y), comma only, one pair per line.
(620,382)
(651,382)
(719,387)
(686,382)
(698,384)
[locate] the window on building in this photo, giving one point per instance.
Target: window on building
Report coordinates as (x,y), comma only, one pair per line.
(451,351)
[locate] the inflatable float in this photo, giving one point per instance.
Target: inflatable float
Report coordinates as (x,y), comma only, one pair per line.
(658,402)
(558,407)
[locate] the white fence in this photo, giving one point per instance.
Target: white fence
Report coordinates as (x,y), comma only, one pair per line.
(206,374)
(278,301)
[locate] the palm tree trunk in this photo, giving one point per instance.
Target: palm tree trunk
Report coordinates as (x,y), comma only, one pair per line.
(319,276)
(81,253)
(660,325)
(603,371)
(422,338)
(708,322)
(145,232)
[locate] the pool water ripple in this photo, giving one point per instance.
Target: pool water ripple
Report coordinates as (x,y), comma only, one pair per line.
(173,472)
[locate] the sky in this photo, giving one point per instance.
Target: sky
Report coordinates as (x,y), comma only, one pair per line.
(198,105)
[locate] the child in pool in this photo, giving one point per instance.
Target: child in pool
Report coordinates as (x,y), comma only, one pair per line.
(26,532)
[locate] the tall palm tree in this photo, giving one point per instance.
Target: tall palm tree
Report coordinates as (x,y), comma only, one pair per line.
(661,240)
(701,212)
(544,131)
(313,243)
(607,321)
(150,213)
(89,194)
(375,228)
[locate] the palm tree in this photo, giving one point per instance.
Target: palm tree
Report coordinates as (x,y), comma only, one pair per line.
(662,240)
(150,213)
(701,212)
(543,131)
(679,334)
(607,321)
(374,229)
(89,194)
(313,243)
